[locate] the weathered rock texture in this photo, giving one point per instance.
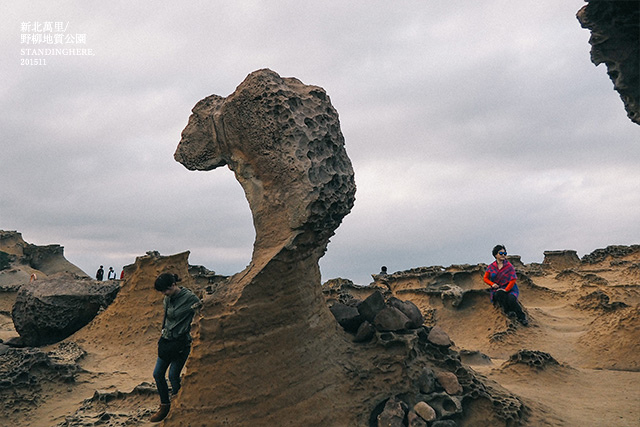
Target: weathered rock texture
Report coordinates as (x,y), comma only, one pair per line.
(47,311)
(267,350)
(266,342)
(27,375)
(615,41)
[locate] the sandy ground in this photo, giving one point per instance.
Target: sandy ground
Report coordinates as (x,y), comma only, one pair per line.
(596,381)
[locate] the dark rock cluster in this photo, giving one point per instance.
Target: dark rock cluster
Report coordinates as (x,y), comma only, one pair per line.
(364,318)
(440,386)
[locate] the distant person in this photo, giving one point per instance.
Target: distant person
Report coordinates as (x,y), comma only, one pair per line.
(174,345)
(112,274)
(122,274)
(100,273)
(501,276)
(383,270)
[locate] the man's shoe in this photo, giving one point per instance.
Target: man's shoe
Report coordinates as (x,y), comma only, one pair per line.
(162,413)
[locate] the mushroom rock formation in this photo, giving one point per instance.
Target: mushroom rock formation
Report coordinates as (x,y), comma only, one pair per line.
(615,41)
(265,343)
(266,349)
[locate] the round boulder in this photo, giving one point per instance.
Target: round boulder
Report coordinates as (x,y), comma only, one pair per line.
(50,310)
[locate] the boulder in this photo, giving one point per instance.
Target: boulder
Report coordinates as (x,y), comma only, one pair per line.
(425,411)
(438,336)
(371,306)
(391,319)
(409,309)
(47,311)
(348,317)
(449,382)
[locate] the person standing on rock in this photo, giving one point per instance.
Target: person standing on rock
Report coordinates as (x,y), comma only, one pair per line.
(100,274)
(174,345)
(501,276)
(112,274)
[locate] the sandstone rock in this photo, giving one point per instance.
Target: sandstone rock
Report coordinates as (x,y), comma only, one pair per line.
(449,382)
(615,41)
(391,319)
(532,358)
(282,139)
(266,348)
(439,337)
(612,252)
(561,260)
(47,260)
(444,423)
(452,293)
(425,411)
(371,306)
(24,371)
(410,310)
(47,311)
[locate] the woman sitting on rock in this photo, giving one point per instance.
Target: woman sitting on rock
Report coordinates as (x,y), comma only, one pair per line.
(175,343)
(501,276)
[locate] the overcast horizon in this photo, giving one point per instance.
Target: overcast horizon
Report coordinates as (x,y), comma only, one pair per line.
(468,124)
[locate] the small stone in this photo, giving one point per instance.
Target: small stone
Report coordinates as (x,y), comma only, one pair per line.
(366,331)
(449,382)
(438,336)
(391,319)
(425,411)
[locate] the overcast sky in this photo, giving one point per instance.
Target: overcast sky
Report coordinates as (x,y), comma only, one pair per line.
(468,124)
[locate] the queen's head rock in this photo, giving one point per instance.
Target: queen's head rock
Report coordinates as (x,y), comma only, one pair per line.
(267,349)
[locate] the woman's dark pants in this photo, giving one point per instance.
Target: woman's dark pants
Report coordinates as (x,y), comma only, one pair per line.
(509,303)
(175,367)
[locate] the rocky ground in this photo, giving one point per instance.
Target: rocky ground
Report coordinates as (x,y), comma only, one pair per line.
(577,363)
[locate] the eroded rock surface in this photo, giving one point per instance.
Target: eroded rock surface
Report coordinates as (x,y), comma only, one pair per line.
(27,375)
(266,344)
(267,350)
(615,42)
(19,260)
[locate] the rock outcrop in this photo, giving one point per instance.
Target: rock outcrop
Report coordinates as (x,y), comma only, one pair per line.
(561,260)
(266,343)
(19,260)
(49,310)
(25,373)
(615,41)
(267,350)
